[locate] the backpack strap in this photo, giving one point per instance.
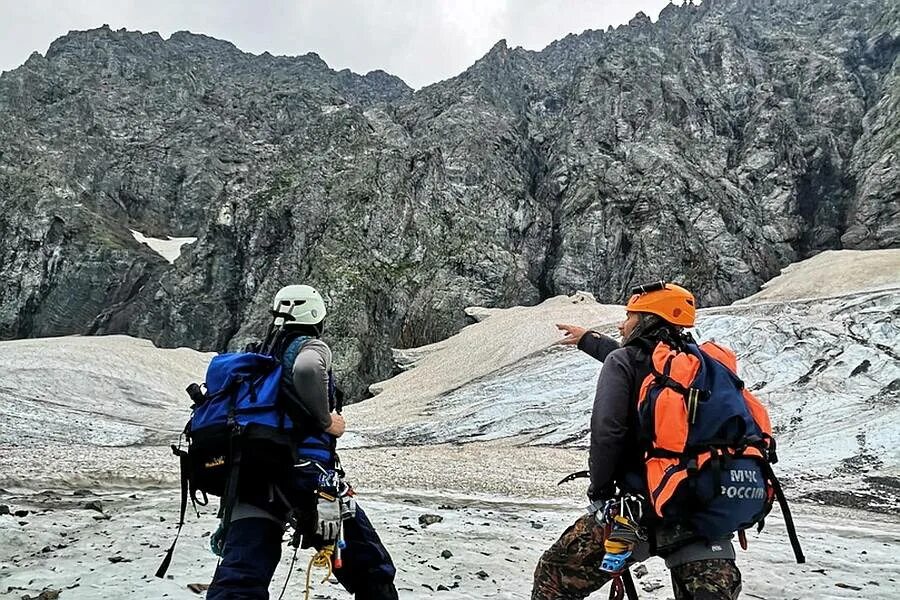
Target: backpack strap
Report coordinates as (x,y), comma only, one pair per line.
(785,512)
(230,494)
(335,396)
(663,378)
(628,583)
(288,355)
(293,349)
(185,478)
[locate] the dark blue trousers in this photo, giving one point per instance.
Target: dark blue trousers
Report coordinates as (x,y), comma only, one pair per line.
(253,549)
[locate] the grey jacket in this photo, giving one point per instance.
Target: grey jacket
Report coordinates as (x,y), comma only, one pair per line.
(310,376)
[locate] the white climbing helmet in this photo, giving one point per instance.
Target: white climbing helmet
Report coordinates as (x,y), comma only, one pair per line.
(302,302)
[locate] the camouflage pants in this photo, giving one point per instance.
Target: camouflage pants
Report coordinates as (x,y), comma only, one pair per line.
(570,570)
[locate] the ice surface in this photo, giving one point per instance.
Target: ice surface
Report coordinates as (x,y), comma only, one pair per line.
(100,391)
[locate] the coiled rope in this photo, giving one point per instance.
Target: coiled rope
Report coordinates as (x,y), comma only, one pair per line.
(322,560)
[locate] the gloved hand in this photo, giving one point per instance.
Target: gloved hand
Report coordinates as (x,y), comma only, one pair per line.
(217,541)
(329,518)
(604,493)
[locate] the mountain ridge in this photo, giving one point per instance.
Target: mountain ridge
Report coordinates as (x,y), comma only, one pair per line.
(712,147)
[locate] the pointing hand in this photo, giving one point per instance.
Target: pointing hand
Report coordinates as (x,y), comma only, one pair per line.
(573,333)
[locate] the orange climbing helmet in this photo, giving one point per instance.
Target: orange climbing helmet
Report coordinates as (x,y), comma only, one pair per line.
(670,302)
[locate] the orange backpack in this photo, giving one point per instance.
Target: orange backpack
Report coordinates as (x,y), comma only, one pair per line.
(708,443)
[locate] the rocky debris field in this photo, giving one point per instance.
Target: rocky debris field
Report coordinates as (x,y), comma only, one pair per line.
(96,544)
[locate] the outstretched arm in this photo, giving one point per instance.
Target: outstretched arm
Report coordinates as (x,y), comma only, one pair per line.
(590,342)
(597,345)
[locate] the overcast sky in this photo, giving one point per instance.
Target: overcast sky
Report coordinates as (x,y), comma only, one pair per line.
(421,41)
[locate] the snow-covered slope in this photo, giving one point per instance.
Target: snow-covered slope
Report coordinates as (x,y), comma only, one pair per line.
(832,273)
(98,391)
(501,338)
(476,429)
(828,368)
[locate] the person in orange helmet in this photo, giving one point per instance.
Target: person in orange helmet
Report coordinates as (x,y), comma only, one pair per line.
(574,566)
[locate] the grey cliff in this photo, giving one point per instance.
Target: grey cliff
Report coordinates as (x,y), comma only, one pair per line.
(712,147)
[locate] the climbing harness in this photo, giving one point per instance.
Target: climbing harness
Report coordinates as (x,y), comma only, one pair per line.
(620,518)
(331,484)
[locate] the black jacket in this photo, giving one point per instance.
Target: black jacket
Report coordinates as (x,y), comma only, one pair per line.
(615,455)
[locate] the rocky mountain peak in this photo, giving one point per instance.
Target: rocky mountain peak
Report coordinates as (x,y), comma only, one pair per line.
(500,50)
(711,148)
(85,45)
(639,20)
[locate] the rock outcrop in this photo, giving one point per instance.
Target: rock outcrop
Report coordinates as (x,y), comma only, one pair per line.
(713,147)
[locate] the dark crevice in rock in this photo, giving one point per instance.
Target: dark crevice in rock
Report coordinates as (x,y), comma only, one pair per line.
(823,193)
(101,323)
(547,196)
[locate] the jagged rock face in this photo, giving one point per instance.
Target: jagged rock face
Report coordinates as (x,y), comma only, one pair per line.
(719,144)
(712,147)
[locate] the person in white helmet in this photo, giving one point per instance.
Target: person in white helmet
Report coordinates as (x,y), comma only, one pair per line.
(252,548)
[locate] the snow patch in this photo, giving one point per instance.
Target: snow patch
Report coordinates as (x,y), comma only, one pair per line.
(502,340)
(333,108)
(832,273)
(169,248)
(95,391)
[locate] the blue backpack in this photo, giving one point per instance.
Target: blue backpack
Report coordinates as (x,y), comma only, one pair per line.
(240,414)
(241,434)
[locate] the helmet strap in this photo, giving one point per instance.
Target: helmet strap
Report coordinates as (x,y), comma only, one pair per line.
(652,329)
(646,326)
